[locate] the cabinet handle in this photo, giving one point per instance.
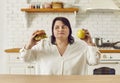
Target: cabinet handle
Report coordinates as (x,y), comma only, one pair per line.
(18,58)
(30,66)
(109,62)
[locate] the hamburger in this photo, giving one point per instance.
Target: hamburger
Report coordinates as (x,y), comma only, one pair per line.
(40,34)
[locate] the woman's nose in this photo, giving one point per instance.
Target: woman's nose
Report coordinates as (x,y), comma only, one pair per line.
(60,28)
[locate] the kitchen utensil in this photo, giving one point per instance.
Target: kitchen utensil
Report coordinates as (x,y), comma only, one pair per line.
(98,41)
(116,45)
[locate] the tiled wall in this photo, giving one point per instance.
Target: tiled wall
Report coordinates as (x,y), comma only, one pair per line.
(20,25)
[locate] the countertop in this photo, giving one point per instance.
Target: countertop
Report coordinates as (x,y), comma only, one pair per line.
(59,79)
(16,50)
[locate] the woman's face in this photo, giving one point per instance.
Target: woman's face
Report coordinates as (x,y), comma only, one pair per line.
(60,30)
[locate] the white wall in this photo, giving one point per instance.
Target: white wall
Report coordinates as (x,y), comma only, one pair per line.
(2,44)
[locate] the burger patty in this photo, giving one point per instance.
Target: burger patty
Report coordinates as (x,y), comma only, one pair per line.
(39,37)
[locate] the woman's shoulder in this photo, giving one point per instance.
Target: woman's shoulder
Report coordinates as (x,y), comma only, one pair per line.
(80,42)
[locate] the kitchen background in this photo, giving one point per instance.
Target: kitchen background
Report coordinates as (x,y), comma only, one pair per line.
(18,26)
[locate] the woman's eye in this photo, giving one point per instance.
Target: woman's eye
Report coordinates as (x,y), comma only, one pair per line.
(64,27)
(56,27)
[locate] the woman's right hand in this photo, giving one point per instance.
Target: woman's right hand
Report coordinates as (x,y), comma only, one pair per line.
(32,41)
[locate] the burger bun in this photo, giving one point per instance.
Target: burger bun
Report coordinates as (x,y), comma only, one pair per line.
(40,34)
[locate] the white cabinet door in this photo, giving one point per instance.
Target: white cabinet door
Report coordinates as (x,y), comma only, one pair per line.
(18,66)
(18,69)
(21,69)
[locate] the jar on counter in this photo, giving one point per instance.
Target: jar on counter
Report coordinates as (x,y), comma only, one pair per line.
(47,5)
(57,4)
(35,5)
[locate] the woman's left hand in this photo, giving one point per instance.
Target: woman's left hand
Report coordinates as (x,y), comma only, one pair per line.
(88,38)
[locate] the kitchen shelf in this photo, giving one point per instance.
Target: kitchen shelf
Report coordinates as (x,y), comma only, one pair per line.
(110,51)
(43,10)
(16,50)
(12,50)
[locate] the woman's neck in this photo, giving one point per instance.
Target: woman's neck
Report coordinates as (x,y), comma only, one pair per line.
(61,45)
(62,42)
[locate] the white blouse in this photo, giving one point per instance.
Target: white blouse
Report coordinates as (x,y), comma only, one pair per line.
(49,61)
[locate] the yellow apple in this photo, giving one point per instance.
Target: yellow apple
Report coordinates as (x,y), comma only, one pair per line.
(81,33)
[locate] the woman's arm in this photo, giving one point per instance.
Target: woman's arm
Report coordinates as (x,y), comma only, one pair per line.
(28,55)
(29,51)
(93,55)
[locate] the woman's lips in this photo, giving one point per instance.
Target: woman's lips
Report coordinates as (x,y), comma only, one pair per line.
(61,33)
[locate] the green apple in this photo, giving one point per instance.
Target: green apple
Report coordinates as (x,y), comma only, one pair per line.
(81,34)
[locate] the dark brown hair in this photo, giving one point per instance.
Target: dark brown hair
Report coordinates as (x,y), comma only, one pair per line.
(67,23)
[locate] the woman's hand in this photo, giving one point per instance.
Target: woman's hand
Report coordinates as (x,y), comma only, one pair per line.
(88,38)
(32,40)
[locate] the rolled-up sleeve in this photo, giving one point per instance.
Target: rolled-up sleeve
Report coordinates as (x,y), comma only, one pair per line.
(35,52)
(27,55)
(93,55)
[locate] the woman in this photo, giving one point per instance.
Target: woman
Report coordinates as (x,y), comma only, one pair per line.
(61,54)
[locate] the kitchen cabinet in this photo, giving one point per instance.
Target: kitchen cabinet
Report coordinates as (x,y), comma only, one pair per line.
(21,69)
(112,65)
(109,60)
(18,66)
